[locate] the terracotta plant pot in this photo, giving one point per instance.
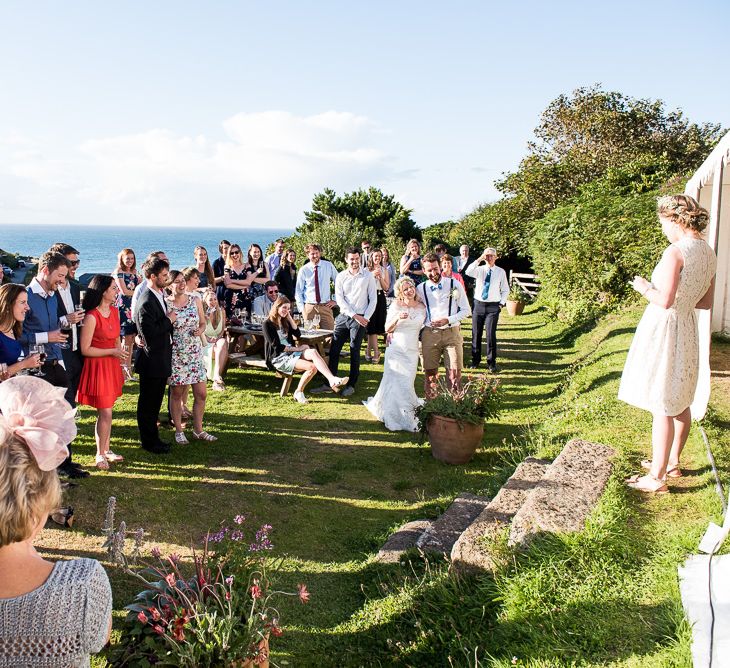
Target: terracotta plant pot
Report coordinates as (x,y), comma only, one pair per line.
(453,442)
(515,308)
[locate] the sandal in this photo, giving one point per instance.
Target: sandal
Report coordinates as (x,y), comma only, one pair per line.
(64,516)
(219,385)
(338,383)
(204,436)
(113,458)
(180,438)
(102,463)
(674,472)
(648,484)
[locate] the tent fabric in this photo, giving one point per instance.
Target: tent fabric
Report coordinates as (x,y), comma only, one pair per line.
(720,155)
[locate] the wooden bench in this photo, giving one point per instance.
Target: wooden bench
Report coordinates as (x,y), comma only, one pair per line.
(258,362)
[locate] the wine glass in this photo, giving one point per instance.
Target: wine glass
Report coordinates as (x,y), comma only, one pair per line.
(40,350)
(315,321)
(77,308)
(3,371)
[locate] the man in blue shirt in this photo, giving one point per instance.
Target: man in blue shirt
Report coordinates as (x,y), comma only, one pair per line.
(273,261)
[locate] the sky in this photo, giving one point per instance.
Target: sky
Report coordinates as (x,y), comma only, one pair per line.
(234,114)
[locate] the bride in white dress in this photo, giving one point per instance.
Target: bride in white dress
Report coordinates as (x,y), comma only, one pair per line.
(396,398)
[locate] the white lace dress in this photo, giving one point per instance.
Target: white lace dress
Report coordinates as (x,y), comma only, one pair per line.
(660,374)
(396,398)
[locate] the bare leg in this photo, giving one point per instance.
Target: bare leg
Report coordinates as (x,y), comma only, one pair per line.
(310,371)
(200,393)
(220,355)
(177,394)
(103,430)
(682,424)
(311,355)
(129,343)
(430,378)
(373,349)
(662,436)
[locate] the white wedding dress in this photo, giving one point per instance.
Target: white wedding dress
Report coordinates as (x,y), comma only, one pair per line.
(396,398)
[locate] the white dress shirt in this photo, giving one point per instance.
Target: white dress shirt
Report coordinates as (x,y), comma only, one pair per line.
(305,292)
(138,292)
(356,294)
(262,305)
(68,302)
(498,284)
(437,296)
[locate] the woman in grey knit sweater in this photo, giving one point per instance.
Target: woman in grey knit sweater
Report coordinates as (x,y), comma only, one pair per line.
(50,614)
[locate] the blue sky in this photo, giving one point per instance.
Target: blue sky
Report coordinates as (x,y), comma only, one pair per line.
(236,113)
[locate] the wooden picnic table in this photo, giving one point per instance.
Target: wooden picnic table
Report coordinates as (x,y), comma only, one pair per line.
(315,338)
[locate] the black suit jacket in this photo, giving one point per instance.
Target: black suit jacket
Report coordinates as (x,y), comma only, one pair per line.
(155,327)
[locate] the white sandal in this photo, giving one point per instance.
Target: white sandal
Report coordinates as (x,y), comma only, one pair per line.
(180,438)
(204,436)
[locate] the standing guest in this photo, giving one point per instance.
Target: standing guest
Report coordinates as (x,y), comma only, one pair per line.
(313,291)
(286,274)
(101,379)
(235,281)
(440,250)
(13,308)
(215,351)
(662,366)
(446,306)
(283,355)
(53,614)
(142,287)
(490,295)
(447,269)
(356,296)
(188,367)
(192,282)
(219,269)
(376,326)
(391,271)
(273,261)
(462,263)
(154,361)
(205,270)
(127,279)
(410,263)
(70,315)
(257,269)
(365,252)
(262,304)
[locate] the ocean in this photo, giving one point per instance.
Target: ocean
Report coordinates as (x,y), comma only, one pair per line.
(99,246)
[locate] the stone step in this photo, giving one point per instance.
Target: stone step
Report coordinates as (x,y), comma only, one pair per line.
(471,553)
(443,533)
(403,539)
(567,493)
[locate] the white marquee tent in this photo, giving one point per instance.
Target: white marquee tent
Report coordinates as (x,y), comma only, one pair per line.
(710,186)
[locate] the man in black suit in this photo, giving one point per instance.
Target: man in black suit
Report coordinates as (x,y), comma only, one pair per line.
(154,361)
(69,296)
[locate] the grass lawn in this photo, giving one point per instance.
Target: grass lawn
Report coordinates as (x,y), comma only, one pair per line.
(334,483)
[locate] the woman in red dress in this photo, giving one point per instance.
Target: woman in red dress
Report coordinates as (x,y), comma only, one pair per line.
(101,378)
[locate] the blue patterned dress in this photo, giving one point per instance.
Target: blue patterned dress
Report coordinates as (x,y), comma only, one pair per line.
(127,326)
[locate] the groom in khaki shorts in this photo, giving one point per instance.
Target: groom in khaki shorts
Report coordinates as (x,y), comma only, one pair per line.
(446,306)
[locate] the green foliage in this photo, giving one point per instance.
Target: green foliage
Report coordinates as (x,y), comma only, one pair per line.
(587,251)
(437,234)
(498,225)
(477,400)
(518,294)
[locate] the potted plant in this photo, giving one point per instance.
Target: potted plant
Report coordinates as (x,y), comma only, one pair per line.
(454,418)
(516,299)
(217,613)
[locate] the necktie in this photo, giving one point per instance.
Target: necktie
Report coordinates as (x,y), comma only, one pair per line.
(485,289)
(317,295)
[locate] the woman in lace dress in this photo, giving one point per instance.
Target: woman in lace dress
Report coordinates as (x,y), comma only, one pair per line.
(662,366)
(51,614)
(396,398)
(188,365)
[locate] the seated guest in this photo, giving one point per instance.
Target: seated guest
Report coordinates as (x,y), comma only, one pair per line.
(283,355)
(286,274)
(13,307)
(262,304)
(53,614)
(216,348)
(205,270)
(101,379)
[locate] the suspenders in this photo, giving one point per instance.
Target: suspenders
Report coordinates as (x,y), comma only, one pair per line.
(451,299)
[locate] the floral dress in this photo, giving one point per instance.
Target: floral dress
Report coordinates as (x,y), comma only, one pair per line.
(124,304)
(234,298)
(188,366)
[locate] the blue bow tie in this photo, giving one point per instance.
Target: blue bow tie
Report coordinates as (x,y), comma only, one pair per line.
(435,287)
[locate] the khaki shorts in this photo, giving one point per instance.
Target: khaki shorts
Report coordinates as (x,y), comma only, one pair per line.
(326,319)
(446,343)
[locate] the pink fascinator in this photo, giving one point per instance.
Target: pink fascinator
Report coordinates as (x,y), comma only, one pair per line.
(36,412)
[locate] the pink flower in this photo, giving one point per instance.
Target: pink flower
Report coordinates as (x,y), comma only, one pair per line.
(170,579)
(158,629)
(228,596)
(155,614)
(255,591)
(156,552)
(142,617)
(229,580)
(303,593)
(276,631)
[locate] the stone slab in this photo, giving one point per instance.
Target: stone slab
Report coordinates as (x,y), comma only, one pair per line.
(567,493)
(402,540)
(444,532)
(470,553)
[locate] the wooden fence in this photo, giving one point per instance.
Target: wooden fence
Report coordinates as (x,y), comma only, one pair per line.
(530,283)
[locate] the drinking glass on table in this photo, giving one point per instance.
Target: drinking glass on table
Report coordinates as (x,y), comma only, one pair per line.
(315,321)
(40,350)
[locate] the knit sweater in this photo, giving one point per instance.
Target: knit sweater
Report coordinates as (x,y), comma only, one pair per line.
(61,622)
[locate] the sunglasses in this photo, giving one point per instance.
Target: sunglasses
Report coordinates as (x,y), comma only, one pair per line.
(75,263)
(273,292)
(235,252)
